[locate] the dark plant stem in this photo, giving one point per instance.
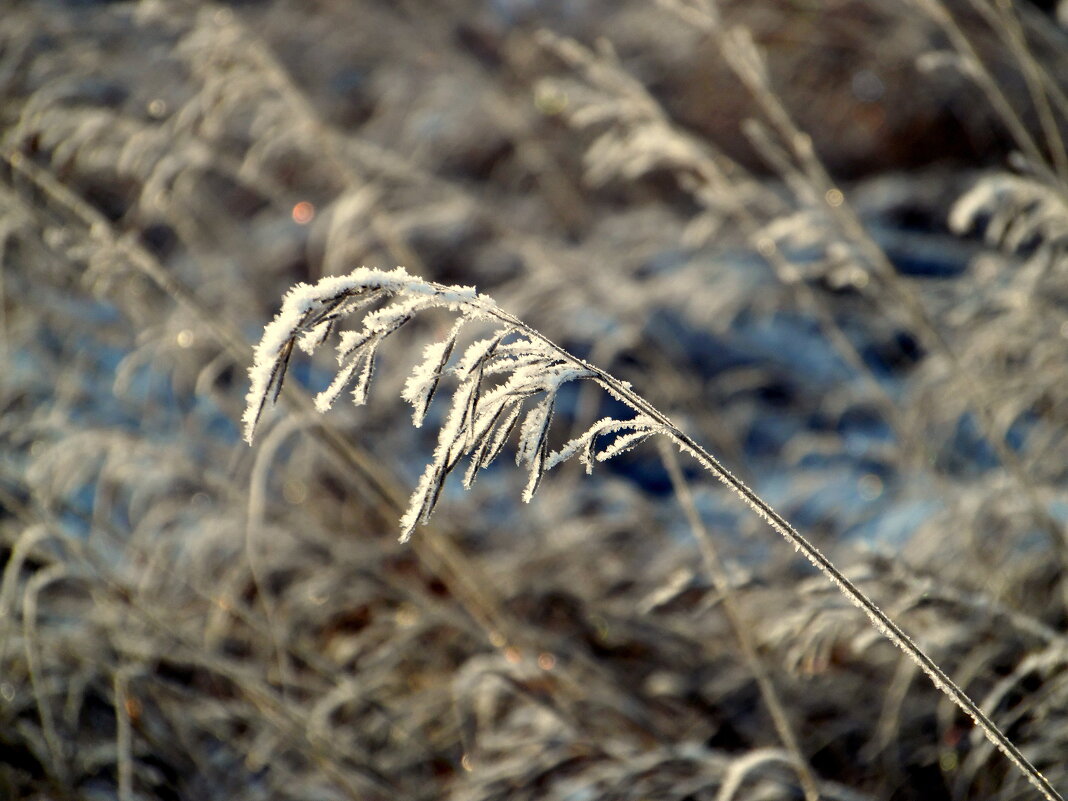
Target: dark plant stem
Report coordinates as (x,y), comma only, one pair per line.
(882,622)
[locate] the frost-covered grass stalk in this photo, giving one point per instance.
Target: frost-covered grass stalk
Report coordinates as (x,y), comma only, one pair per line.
(509,381)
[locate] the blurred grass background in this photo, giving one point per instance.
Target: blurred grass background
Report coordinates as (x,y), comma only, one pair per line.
(182,617)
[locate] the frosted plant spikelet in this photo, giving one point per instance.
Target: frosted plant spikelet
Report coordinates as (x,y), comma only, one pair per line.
(528,370)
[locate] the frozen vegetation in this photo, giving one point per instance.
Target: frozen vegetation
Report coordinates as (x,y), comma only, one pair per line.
(820,248)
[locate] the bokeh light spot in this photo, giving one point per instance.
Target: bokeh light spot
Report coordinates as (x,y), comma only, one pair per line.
(871,486)
(295,491)
(550,100)
(303,213)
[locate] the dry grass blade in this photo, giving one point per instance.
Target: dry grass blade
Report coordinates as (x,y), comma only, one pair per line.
(535,366)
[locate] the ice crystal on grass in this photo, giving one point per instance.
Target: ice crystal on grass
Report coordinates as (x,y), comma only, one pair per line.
(505,382)
(307,318)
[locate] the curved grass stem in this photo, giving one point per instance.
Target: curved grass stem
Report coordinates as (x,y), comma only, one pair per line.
(532,367)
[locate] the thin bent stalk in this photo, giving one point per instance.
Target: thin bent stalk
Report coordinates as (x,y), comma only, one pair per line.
(879,618)
(310,313)
(887,627)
